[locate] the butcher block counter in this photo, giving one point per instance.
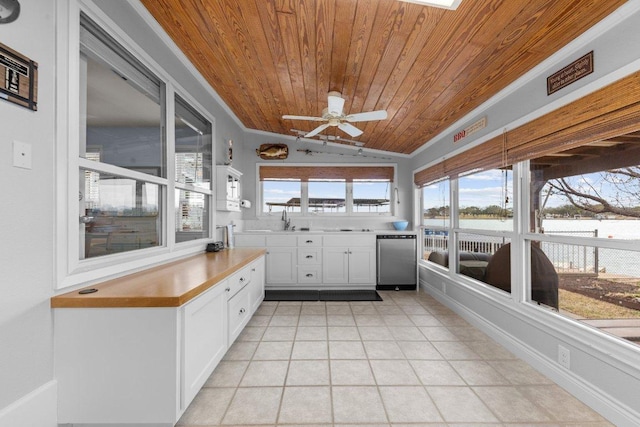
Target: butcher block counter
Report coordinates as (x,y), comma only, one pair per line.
(167,285)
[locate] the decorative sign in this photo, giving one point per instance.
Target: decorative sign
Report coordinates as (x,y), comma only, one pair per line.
(471,129)
(18,78)
(273,151)
(573,72)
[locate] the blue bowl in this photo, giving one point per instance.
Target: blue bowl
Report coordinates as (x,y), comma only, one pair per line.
(400,225)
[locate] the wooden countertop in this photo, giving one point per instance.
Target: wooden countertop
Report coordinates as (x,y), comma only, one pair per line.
(167,285)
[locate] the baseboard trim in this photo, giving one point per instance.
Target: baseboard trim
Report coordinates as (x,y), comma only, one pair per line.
(595,398)
(38,408)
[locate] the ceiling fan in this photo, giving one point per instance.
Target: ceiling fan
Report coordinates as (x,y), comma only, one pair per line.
(334,116)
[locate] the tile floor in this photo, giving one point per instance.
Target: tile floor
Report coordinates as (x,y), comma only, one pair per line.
(404,361)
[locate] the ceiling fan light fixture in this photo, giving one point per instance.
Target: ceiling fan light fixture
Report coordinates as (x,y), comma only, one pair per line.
(444,4)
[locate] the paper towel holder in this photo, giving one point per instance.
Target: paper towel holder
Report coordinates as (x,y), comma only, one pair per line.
(245,203)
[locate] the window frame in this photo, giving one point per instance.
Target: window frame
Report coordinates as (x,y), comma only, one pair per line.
(70,269)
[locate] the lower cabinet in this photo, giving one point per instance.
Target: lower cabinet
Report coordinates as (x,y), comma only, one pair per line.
(204,338)
(144,365)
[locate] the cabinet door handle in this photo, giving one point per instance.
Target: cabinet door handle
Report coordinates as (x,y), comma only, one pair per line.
(309,241)
(242,279)
(253,269)
(346,252)
(242,310)
(309,256)
(227,289)
(309,275)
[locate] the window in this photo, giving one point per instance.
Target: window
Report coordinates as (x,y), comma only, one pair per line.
(582,218)
(436,214)
(326,190)
(142,187)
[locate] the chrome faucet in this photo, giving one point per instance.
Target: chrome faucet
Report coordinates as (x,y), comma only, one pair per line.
(287,222)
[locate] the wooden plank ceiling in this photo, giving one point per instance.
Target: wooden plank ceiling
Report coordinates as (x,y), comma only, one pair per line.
(426,66)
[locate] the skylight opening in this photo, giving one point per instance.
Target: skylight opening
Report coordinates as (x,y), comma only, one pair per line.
(445,4)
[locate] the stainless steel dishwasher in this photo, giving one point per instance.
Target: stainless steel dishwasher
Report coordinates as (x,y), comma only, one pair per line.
(397,261)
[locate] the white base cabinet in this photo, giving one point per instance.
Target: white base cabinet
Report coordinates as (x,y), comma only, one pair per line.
(144,365)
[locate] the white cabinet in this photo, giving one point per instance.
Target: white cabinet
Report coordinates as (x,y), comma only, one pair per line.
(228,188)
(204,339)
(245,292)
(349,261)
(281,259)
(257,284)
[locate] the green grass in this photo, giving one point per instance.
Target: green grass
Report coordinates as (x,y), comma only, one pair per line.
(590,308)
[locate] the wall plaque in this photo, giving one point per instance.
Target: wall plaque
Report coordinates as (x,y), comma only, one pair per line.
(573,72)
(18,78)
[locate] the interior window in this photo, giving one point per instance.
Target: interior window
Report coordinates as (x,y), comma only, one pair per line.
(327,196)
(371,196)
(436,214)
(485,200)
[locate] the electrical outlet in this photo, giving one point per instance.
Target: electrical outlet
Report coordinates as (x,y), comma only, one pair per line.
(564,357)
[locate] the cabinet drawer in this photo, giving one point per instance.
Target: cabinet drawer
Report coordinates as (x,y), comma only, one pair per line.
(281,240)
(310,274)
(309,240)
(238,280)
(238,311)
(309,256)
(350,240)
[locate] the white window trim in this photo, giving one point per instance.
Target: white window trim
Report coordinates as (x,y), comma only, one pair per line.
(69,270)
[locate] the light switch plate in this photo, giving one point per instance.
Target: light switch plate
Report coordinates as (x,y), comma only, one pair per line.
(21,155)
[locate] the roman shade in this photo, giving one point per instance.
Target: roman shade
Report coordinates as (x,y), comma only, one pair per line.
(306,173)
(606,113)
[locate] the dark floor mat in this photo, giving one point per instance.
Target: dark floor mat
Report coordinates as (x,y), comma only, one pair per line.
(350,295)
(291,295)
(332,295)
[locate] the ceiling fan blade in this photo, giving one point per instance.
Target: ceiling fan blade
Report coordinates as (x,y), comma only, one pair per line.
(350,129)
(336,103)
(310,118)
(317,130)
(368,116)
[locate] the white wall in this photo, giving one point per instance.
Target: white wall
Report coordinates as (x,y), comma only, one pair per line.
(26,278)
(604,371)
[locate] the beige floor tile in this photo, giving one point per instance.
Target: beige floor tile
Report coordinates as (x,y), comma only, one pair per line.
(310,350)
(424,320)
(393,372)
(468,333)
(407,333)
(346,350)
(560,404)
(343,333)
(375,333)
(261,373)
(341,320)
(369,320)
(477,372)
(451,350)
(397,320)
(208,407)
(252,333)
(510,405)
(311,333)
(259,321)
(460,404)
(357,405)
(351,372)
(306,405)
(313,308)
(241,350)
(383,350)
(432,372)
(414,309)
(437,333)
(519,373)
(287,310)
(419,350)
(490,350)
(254,405)
(409,405)
(266,309)
(284,321)
(390,309)
(279,333)
(227,374)
(273,350)
(308,372)
(312,320)
(339,310)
